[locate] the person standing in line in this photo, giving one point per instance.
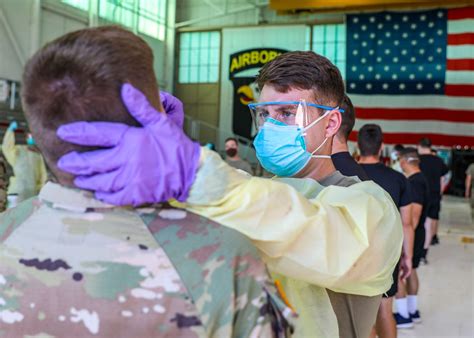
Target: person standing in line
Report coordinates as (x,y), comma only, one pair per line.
(336,291)
(395,157)
(342,159)
(232,156)
(407,295)
(370,142)
(469,187)
(434,169)
(29,170)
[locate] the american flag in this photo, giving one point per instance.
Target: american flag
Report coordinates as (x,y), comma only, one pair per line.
(413,74)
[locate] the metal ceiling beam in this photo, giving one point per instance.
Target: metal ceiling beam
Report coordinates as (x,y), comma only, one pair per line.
(220,15)
(214,6)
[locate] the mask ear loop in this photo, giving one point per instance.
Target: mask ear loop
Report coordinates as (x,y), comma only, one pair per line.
(320,146)
(316,121)
(311,125)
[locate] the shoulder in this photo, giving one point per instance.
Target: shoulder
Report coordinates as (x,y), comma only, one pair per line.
(340,155)
(440,161)
(425,159)
(14,217)
(196,232)
(356,192)
(417,183)
(396,175)
(220,267)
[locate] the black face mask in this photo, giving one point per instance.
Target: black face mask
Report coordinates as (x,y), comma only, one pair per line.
(231,152)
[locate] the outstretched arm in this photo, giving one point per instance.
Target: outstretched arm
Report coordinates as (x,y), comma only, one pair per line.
(347,239)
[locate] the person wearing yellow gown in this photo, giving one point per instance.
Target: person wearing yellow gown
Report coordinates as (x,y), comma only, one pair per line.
(29,170)
(331,241)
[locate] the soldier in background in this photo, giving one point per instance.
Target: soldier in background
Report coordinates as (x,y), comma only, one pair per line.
(74,266)
(28,166)
(232,156)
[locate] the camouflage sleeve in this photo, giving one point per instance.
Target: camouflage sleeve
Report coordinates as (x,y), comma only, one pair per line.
(224,275)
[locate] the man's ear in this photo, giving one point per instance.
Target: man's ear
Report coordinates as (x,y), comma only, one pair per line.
(334,123)
(381,149)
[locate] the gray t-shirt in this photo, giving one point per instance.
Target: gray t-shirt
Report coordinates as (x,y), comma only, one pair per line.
(336,178)
(355,314)
(240,164)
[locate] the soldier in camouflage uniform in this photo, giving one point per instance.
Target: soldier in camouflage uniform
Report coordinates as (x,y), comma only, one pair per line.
(73,266)
(3,184)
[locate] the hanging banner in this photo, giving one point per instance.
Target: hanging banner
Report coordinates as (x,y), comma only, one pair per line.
(244,52)
(244,87)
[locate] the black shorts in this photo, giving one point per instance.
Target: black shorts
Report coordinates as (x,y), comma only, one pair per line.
(418,245)
(434,208)
(394,288)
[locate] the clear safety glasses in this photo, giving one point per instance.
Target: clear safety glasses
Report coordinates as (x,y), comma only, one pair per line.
(288,112)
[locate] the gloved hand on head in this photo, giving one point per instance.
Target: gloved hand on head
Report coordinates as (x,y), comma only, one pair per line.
(151,164)
(173,108)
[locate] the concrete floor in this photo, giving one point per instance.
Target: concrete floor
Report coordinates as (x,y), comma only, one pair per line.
(446,298)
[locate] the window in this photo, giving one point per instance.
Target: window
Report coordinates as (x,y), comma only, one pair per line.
(330,41)
(152,18)
(144,16)
(199,57)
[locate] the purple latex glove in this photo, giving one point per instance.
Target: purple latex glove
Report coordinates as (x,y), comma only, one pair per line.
(142,165)
(173,108)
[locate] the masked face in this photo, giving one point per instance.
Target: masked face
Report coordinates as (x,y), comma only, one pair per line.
(30,140)
(231,148)
(317,133)
(288,138)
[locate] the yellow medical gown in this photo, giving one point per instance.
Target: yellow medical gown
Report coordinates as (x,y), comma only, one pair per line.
(347,239)
(28,168)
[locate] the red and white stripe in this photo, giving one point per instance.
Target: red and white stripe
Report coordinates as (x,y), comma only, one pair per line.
(447,119)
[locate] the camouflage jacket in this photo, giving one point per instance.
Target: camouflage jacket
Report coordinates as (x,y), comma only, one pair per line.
(73,266)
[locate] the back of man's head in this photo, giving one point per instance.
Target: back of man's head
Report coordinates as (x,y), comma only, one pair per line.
(348,120)
(370,140)
(398,147)
(78,77)
(410,156)
(304,71)
(425,142)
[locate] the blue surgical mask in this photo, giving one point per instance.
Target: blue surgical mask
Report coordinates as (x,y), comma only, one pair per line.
(281,149)
(394,156)
(30,140)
